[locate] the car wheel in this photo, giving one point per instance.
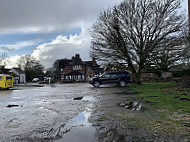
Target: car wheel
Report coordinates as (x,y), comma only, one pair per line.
(96,84)
(122,83)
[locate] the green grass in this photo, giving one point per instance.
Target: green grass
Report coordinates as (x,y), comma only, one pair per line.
(165,96)
(165,114)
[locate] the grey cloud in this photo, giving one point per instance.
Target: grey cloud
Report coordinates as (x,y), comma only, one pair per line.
(48,15)
(6,48)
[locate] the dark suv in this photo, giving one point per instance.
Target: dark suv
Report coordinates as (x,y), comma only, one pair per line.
(121,78)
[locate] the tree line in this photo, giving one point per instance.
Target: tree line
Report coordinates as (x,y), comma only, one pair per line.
(32,67)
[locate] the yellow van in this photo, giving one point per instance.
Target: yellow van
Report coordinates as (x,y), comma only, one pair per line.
(6,81)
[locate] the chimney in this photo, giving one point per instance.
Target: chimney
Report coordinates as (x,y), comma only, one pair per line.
(77,56)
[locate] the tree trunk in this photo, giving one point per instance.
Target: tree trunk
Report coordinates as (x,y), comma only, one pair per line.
(137,78)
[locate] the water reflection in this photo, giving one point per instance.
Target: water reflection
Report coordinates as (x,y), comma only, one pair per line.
(88,98)
(79,129)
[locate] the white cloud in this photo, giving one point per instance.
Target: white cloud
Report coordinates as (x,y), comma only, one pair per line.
(10,62)
(63,47)
(21,44)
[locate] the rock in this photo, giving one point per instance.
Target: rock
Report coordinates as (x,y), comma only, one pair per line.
(184,94)
(78,98)
(122,104)
(185,99)
(153,96)
(133,105)
(12,105)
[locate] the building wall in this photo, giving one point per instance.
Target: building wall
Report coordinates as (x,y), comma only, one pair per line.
(67,69)
(149,75)
(89,73)
(76,69)
(167,75)
(22,78)
(76,73)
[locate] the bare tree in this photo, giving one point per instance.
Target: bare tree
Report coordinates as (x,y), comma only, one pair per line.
(3,55)
(111,66)
(172,52)
(132,31)
(186,35)
(31,66)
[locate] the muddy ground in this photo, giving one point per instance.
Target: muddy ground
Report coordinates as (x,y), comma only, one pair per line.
(82,113)
(125,117)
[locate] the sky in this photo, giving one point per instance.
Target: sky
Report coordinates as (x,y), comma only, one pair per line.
(49,29)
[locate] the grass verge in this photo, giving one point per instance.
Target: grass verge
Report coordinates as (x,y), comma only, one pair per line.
(166,96)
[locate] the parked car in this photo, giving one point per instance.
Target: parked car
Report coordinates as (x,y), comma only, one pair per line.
(121,78)
(6,81)
(35,80)
(47,79)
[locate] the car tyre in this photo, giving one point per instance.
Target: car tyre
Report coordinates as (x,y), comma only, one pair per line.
(96,84)
(122,83)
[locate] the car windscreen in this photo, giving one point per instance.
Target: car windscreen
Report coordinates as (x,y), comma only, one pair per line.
(8,78)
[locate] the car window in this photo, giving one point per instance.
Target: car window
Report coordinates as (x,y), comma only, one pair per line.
(113,75)
(0,77)
(123,74)
(8,78)
(105,75)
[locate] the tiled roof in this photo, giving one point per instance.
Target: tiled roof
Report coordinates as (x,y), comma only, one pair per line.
(18,70)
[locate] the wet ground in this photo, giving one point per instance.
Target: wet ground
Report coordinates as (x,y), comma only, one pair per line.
(58,112)
(81,113)
(125,117)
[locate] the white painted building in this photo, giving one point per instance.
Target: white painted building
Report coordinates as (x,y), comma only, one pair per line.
(21,76)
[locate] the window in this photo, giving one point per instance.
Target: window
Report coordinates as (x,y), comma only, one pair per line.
(8,78)
(114,75)
(106,75)
(0,77)
(77,67)
(123,74)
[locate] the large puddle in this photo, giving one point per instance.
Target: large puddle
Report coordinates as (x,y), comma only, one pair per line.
(79,129)
(85,98)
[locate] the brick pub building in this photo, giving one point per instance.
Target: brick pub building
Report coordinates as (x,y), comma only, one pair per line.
(75,69)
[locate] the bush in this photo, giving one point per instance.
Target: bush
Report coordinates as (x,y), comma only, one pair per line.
(181,73)
(186,81)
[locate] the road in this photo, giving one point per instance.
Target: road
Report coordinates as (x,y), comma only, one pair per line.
(51,113)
